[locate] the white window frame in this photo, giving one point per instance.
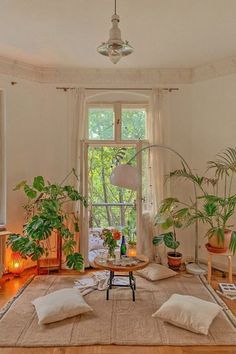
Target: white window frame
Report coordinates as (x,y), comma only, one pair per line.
(117,141)
(2,162)
(117,107)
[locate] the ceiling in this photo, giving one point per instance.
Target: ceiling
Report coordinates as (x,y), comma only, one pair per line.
(164,33)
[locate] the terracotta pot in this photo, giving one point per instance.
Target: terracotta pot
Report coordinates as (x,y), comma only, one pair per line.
(214,242)
(174,260)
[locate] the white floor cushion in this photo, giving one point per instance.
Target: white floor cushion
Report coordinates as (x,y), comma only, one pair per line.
(59,305)
(155,272)
(188,312)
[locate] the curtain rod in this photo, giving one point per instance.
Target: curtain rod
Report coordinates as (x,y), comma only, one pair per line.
(170,89)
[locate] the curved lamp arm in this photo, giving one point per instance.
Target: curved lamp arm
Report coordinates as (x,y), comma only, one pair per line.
(127,176)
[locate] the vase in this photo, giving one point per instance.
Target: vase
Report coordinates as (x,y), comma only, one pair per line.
(111,254)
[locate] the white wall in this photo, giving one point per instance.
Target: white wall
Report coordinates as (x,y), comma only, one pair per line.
(213,127)
(200,121)
(36,139)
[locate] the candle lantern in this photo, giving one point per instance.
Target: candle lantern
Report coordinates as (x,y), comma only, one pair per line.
(16,266)
(132,251)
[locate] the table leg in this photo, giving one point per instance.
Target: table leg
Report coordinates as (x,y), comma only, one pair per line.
(132,284)
(209,269)
(230,269)
(110,283)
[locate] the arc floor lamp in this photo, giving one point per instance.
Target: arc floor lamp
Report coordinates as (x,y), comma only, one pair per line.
(127,176)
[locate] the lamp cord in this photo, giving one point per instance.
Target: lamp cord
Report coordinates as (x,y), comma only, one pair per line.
(115,7)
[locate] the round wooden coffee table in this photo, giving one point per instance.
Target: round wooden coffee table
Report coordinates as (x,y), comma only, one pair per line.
(128,269)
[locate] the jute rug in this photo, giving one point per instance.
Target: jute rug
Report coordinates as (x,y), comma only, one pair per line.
(117,321)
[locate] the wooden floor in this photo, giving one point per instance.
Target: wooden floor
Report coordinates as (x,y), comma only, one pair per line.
(10,285)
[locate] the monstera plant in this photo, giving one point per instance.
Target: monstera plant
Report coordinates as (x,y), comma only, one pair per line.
(171,215)
(47,212)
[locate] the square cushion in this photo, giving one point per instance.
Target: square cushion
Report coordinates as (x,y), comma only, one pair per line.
(188,312)
(155,272)
(59,305)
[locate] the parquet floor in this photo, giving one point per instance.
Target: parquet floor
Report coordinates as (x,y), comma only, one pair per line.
(10,285)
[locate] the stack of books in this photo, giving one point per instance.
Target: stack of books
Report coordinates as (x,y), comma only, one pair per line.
(227,290)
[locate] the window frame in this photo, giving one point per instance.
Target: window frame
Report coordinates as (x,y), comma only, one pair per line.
(2,161)
(117,108)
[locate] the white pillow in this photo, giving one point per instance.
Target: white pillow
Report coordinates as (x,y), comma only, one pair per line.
(59,305)
(155,272)
(188,312)
(95,243)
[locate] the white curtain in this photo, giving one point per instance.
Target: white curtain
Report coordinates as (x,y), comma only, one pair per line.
(77,134)
(155,189)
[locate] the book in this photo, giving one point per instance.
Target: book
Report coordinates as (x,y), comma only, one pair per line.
(228,288)
(229,297)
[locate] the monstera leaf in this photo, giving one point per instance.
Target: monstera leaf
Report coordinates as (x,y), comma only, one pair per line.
(75,261)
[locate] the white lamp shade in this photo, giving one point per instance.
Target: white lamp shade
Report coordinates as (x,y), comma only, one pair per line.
(125,176)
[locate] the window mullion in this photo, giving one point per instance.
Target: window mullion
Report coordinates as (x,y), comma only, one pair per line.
(117,109)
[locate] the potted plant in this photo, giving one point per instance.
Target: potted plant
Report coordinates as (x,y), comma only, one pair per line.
(46,213)
(216,204)
(172,215)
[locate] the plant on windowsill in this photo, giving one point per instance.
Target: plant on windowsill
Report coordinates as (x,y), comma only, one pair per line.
(215,208)
(47,212)
(172,214)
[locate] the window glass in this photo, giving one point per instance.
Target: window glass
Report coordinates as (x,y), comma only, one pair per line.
(133,125)
(101,123)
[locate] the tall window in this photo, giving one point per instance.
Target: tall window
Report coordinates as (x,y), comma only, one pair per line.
(2,164)
(114,133)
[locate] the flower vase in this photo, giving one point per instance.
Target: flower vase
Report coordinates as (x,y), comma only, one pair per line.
(111,254)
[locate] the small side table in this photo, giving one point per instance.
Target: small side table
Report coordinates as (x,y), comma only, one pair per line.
(128,270)
(229,257)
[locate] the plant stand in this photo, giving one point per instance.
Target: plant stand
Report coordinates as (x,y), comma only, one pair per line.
(230,270)
(53,263)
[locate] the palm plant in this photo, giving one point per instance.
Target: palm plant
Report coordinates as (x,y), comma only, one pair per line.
(217,207)
(47,212)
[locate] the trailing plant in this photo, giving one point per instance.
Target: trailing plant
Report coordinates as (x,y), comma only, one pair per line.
(215,204)
(171,214)
(46,213)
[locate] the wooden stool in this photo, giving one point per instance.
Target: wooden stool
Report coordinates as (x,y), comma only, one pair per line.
(226,254)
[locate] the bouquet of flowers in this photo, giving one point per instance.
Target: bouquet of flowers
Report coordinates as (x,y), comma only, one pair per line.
(110,237)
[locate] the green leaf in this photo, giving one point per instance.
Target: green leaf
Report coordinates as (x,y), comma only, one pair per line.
(232,245)
(157,240)
(30,192)
(210,209)
(68,247)
(38,183)
(170,241)
(75,261)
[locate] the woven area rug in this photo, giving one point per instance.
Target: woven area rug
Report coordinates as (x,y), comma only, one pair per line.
(117,321)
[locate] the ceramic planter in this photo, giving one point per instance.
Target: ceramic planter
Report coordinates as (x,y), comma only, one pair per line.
(218,246)
(174,260)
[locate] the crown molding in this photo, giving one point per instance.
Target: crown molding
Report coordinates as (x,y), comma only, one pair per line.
(116,77)
(95,77)
(226,66)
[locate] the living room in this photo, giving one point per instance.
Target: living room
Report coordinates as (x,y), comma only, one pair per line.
(73,110)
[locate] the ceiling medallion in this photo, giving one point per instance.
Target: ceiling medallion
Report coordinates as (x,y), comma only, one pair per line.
(115,48)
